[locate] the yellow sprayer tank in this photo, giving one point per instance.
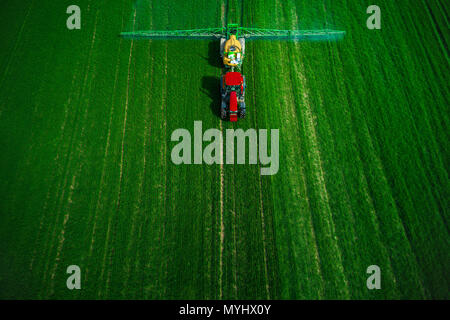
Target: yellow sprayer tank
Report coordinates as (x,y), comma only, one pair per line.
(232,53)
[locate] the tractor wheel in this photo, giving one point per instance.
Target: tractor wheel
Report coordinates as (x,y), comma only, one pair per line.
(242,41)
(242,110)
(223,110)
(222,46)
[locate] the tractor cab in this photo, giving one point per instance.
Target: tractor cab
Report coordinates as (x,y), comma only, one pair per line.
(234,81)
(233,93)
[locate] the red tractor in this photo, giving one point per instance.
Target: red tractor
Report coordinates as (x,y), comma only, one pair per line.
(232,88)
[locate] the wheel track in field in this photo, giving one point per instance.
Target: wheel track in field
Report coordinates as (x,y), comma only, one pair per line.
(304,190)
(63,182)
(105,156)
(222,226)
(138,205)
(224,19)
(55,159)
(61,237)
(164,154)
(148,124)
(139,208)
(47,197)
(154,218)
(80,149)
(299,189)
(106,287)
(162,194)
(238,18)
(310,127)
(261,204)
(308,119)
(234,223)
(56,176)
(88,87)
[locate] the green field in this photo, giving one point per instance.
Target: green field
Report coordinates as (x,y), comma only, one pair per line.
(86,176)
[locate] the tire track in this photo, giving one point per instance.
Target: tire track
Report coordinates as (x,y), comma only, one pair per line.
(303,185)
(70,154)
(105,156)
(222,226)
(88,95)
(146,263)
(263,226)
(164,161)
(308,240)
(315,158)
(47,197)
(106,288)
(164,157)
(55,159)
(147,133)
(224,16)
(317,166)
(61,237)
